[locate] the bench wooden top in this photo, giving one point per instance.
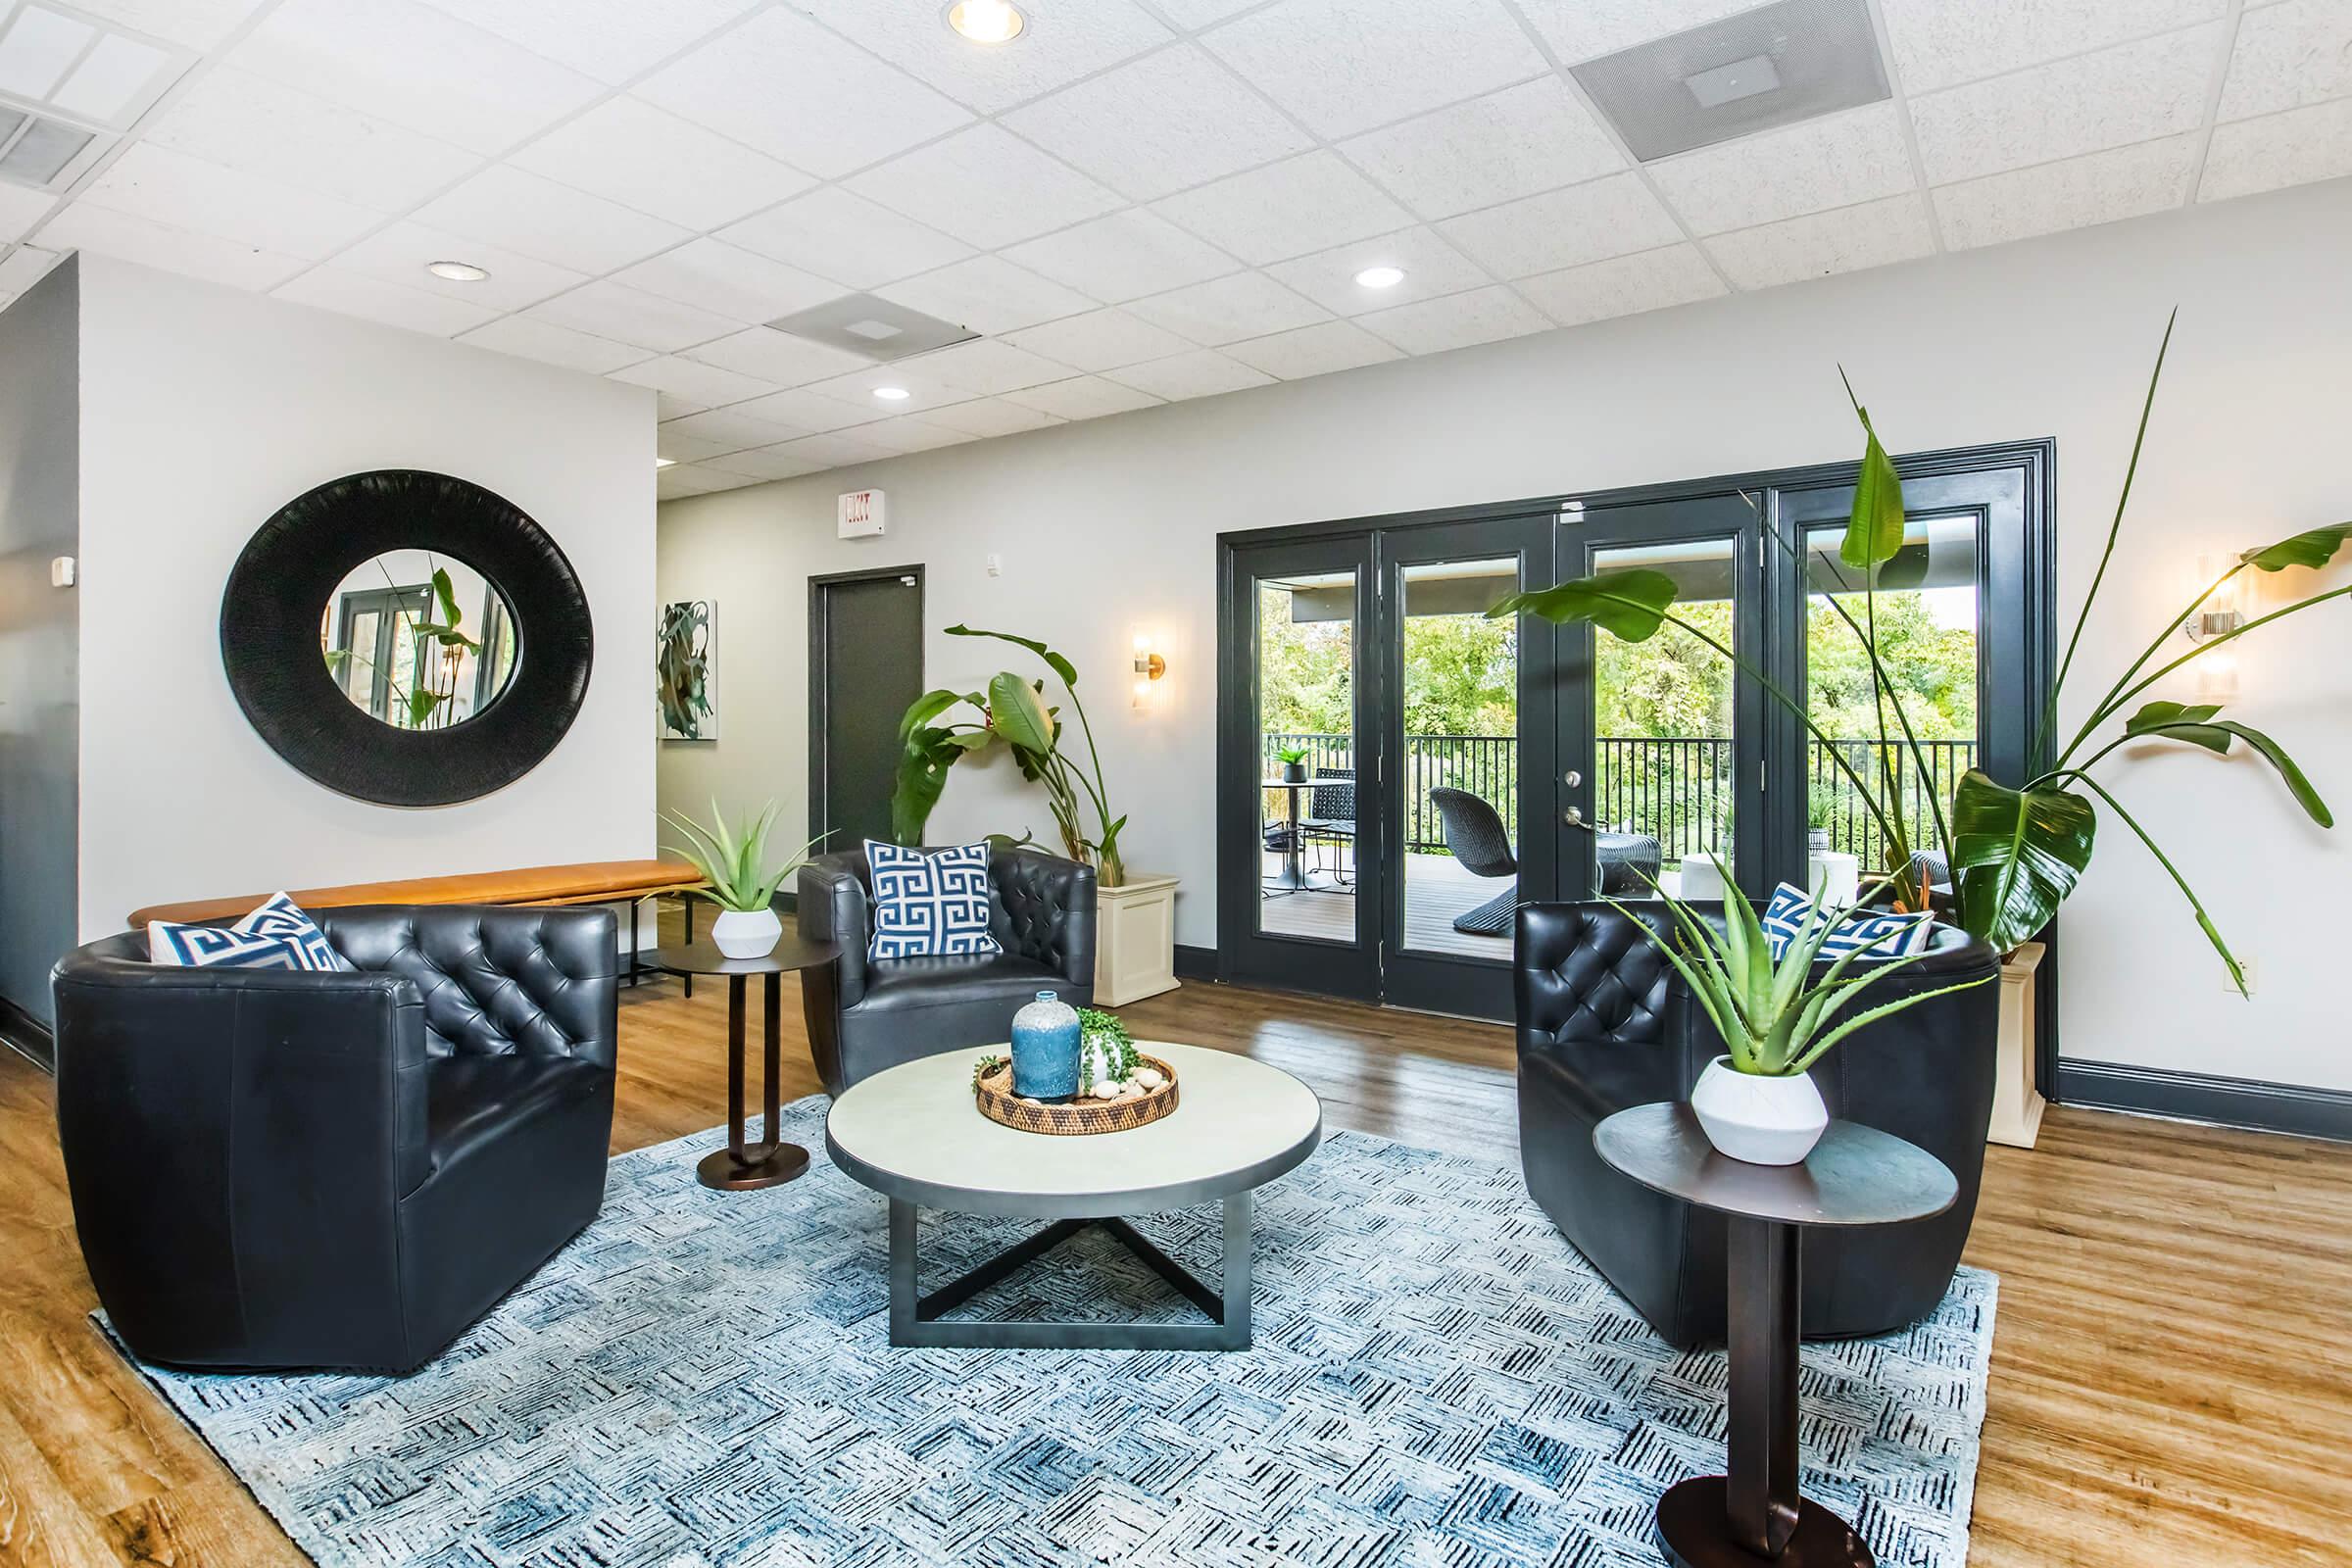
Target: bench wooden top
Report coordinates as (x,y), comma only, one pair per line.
(588,882)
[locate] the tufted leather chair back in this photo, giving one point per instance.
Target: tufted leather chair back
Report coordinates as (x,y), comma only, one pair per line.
(494,981)
(1588,972)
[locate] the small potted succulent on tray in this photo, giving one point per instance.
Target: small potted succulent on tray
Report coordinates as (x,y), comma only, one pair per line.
(1778,1018)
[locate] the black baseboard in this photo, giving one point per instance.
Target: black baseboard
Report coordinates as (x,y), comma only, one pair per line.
(31,1037)
(2195,1096)
(1196,964)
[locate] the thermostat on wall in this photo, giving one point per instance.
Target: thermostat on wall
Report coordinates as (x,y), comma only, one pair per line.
(861,514)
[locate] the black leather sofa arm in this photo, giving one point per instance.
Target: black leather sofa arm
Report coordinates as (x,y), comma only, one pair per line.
(833,909)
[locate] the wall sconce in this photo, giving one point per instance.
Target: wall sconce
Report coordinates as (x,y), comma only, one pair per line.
(2220,614)
(1149,668)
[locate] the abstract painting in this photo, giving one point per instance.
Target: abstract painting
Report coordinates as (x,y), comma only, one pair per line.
(682,670)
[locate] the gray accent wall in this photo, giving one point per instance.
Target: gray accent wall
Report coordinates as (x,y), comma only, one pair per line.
(40,638)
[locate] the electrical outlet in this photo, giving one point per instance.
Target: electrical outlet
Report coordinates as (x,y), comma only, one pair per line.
(2246,965)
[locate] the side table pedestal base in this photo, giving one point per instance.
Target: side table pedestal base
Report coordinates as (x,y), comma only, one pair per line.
(1694,1526)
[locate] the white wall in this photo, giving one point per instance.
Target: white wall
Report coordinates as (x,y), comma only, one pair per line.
(1107,527)
(203,411)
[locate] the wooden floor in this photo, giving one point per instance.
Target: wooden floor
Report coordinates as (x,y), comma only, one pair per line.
(1436,889)
(2171,1375)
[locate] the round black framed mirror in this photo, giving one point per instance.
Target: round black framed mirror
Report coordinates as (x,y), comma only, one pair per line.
(406,638)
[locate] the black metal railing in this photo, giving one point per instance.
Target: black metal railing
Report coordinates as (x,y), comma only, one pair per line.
(1679,789)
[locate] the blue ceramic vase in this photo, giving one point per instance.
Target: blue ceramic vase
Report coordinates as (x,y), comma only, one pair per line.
(1045,1050)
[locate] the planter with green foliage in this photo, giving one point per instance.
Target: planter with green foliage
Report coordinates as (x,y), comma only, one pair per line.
(736,877)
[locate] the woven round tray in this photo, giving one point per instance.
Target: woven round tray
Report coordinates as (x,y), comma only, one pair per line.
(993,1092)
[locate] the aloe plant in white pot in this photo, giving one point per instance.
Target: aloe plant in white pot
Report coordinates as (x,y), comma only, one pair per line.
(735,878)
(1776,1017)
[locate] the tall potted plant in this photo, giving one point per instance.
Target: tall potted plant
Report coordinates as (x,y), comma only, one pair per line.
(1135,924)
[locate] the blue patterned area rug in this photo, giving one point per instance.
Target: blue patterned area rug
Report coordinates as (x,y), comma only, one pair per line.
(702,1380)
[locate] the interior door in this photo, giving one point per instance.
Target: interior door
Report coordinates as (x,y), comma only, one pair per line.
(865,669)
(1466,835)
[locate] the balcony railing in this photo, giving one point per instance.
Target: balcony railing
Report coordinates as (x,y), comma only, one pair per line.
(1677,790)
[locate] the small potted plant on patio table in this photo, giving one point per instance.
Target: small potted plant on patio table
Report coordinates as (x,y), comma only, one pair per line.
(1293,764)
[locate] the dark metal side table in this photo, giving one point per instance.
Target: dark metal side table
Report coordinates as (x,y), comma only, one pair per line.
(741,1165)
(1755,1514)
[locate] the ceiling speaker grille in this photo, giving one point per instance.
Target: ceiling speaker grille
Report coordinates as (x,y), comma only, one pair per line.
(1763,69)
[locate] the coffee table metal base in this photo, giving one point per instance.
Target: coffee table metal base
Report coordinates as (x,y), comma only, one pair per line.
(915,1317)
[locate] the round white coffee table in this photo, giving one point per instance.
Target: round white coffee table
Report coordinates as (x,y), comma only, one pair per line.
(912,1134)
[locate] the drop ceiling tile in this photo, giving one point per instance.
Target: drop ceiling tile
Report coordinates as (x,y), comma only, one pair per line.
(736,428)
(1521,141)
(988,366)
(1343,67)
(1245,305)
(987,416)
(20,210)
(401,253)
(550,344)
(2288,56)
(767,464)
(913,435)
(732,282)
(1836,161)
(1942,43)
(984,186)
(813,412)
(788,87)
(249,123)
(1431,267)
(536,216)
(1099,340)
(1585,30)
(612,41)
(1456,321)
(691,382)
(1819,244)
(778,358)
(1083,397)
(404,62)
(1158,124)
(1123,256)
(682,481)
(1060,44)
(1313,351)
(838,450)
(923,392)
(626,314)
(331,288)
(2133,92)
(668,442)
(182,192)
(197,24)
(666,405)
(847,238)
(1624,285)
(25,266)
(2074,193)
(2277,150)
(85,226)
(628,151)
(1588,222)
(987,294)
(1201,373)
(1302,203)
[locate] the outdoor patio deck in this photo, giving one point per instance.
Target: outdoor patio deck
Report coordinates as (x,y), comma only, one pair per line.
(1437,889)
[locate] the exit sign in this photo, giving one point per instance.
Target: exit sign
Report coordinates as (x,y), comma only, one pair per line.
(861,514)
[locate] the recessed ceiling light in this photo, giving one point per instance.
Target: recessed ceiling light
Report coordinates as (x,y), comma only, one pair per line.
(458,271)
(892,394)
(985,21)
(1381,277)
(666,462)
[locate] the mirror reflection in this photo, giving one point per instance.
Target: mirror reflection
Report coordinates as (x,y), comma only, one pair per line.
(418,639)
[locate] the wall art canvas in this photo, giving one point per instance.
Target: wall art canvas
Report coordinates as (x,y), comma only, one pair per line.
(683,672)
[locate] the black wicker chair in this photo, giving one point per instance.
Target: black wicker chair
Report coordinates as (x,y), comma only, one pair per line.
(1330,820)
(1479,842)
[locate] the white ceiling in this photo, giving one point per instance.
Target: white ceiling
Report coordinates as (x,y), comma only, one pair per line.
(1137,201)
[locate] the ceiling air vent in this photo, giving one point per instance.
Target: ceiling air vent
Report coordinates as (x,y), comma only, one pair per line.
(69,81)
(1763,69)
(45,153)
(872,328)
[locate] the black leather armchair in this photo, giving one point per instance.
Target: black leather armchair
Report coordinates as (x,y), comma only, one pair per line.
(281,1169)
(866,1014)
(1605,1023)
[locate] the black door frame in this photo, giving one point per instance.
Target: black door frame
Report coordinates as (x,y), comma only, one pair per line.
(820,706)
(2018,629)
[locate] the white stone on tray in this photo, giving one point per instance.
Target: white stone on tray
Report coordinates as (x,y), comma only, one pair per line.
(1147,1077)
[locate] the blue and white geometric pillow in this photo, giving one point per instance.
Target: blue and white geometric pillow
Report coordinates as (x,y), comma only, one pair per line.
(1879,936)
(276,936)
(929,901)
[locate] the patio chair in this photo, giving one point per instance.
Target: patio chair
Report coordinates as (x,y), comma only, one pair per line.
(1476,835)
(1330,820)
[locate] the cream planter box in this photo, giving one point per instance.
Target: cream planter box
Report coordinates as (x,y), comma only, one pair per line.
(1134,940)
(2016,1102)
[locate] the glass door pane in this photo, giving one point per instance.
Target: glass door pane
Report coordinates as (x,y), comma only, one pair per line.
(1306,653)
(1458,787)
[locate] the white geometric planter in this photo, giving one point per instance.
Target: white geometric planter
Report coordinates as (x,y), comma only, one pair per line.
(746,933)
(2016,1103)
(1764,1121)
(1134,940)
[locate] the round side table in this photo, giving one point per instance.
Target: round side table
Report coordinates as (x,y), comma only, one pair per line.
(741,1165)
(1856,1175)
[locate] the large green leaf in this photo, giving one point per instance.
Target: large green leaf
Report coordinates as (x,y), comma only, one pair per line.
(1059,665)
(2297,785)
(1018,713)
(1874,531)
(1629,604)
(2314,548)
(928,707)
(923,767)
(2197,725)
(2017,854)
